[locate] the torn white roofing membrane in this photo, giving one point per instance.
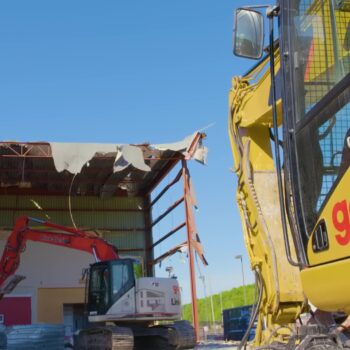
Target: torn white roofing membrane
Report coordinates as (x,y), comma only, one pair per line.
(73,156)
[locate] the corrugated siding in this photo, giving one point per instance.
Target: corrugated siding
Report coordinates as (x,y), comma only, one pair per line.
(91,220)
(126,240)
(120,213)
(77,202)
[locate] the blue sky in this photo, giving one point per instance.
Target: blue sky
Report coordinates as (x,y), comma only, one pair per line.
(131,72)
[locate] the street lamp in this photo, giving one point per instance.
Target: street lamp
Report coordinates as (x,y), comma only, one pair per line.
(169,270)
(244,291)
(202,277)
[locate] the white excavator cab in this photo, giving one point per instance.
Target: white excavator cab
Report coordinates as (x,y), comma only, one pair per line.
(117,292)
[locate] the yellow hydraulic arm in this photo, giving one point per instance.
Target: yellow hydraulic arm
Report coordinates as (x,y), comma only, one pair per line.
(250,120)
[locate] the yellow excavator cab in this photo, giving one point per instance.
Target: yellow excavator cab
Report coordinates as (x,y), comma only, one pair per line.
(306,260)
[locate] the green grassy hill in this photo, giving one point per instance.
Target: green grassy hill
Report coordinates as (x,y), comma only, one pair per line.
(230,298)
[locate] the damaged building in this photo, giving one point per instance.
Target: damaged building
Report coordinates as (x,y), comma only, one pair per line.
(106,189)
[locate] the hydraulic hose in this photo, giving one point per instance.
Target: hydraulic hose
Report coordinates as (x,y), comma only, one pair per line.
(255,310)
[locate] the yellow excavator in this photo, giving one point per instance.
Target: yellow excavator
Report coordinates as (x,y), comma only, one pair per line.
(289,126)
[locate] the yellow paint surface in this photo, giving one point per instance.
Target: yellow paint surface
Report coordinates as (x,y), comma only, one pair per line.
(327,286)
(338,225)
(51,301)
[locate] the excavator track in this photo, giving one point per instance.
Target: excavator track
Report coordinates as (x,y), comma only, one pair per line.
(105,338)
(182,335)
(178,335)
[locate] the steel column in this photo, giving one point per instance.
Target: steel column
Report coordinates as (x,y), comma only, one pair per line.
(190,225)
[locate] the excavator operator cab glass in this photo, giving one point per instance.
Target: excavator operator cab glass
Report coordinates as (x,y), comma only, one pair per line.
(317,102)
(108,282)
(248,33)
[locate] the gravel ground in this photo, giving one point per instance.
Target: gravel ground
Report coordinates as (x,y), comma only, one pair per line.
(217,345)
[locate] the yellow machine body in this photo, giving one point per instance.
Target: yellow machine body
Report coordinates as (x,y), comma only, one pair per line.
(326,281)
(257,196)
(323,278)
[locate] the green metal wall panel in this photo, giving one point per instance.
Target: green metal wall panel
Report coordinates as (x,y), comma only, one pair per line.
(84,220)
(124,240)
(106,216)
(77,202)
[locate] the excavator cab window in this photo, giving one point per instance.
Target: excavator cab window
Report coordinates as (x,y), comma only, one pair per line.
(109,281)
(122,278)
(317,104)
(99,286)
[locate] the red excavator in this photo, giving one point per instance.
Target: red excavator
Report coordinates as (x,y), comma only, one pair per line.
(117,293)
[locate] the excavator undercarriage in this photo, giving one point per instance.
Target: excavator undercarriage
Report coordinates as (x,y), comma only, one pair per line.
(179,335)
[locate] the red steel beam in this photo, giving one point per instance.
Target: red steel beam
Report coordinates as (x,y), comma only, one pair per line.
(192,148)
(166,188)
(72,209)
(140,229)
(174,230)
(131,249)
(188,208)
(161,175)
(43,150)
(168,253)
(14,190)
(149,254)
(106,230)
(170,209)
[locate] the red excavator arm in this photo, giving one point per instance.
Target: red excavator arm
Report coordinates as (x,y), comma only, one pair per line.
(62,236)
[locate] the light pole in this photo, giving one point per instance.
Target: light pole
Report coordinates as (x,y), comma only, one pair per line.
(244,291)
(212,305)
(202,277)
(169,270)
(205,305)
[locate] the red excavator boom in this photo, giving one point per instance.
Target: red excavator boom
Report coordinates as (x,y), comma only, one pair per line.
(62,236)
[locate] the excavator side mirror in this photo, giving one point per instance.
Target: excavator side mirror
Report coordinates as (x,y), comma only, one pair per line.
(248,33)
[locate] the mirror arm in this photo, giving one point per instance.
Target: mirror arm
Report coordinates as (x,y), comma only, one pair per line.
(256,7)
(272,11)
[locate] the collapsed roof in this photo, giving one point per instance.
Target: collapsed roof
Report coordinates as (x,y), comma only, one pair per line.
(103,170)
